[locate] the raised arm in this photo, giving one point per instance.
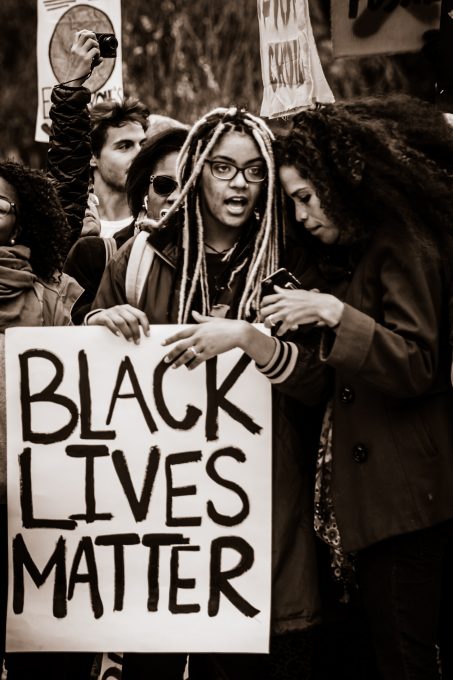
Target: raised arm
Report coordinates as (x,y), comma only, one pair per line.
(69,154)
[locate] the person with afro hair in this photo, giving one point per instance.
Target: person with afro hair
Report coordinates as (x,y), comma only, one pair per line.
(34,236)
(369,190)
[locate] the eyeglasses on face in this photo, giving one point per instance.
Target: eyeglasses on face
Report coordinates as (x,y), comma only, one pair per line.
(163,185)
(227,171)
(7,207)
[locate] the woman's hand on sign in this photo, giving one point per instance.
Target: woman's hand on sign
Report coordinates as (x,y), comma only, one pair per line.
(213,336)
(83,56)
(291,308)
(122,320)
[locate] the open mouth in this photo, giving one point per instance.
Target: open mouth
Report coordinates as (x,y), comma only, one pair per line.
(236,204)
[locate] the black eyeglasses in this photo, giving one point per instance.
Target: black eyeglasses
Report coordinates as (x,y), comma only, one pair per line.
(163,184)
(7,207)
(227,171)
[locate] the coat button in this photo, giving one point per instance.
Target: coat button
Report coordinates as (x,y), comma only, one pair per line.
(359,453)
(347,395)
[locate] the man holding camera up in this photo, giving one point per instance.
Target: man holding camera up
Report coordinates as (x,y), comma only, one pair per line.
(117,132)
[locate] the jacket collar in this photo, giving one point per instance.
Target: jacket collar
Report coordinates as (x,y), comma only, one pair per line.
(165,242)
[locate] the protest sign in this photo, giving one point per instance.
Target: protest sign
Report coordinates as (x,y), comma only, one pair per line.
(293,78)
(362,27)
(58,21)
(139,497)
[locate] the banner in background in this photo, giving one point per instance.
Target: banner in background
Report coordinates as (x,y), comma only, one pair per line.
(293,78)
(58,21)
(139,497)
(362,27)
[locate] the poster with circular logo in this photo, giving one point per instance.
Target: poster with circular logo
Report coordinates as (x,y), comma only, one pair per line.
(58,22)
(73,20)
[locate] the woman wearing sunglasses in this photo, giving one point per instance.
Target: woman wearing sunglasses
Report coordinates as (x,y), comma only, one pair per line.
(151,190)
(209,258)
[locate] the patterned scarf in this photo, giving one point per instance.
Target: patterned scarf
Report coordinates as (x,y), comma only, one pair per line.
(325,522)
(19,305)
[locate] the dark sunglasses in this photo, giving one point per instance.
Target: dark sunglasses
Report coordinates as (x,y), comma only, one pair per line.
(163,184)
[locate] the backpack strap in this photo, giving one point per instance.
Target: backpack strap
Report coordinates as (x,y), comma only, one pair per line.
(138,267)
(110,249)
(39,291)
(56,299)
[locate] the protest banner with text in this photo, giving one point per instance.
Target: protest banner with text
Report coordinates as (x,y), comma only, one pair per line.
(58,22)
(292,74)
(139,497)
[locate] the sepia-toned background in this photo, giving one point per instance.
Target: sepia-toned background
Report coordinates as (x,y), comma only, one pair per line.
(183,57)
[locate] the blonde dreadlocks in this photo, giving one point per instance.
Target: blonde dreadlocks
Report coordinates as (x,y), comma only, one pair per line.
(202,138)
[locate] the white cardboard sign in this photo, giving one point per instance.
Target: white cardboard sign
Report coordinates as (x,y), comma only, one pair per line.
(293,78)
(58,21)
(139,497)
(366,27)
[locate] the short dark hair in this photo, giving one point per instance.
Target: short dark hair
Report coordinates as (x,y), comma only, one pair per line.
(110,113)
(163,143)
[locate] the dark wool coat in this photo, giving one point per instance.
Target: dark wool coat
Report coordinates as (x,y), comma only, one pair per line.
(387,367)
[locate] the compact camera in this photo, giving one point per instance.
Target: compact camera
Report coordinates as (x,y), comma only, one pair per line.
(281,277)
(107,45)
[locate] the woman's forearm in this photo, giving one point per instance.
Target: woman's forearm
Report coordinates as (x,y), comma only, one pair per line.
(256,344)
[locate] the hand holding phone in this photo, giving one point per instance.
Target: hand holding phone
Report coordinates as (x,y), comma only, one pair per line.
(284,279)
(281,277)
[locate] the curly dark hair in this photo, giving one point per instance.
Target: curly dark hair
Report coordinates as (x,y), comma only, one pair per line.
(110,113)
(42,223)
(377,162)
(143,165)
(422,126)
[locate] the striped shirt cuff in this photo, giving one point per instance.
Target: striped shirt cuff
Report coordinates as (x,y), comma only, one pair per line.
(282,362)
(90,314)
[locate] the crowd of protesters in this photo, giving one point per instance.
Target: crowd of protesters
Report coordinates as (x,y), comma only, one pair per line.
(355,199)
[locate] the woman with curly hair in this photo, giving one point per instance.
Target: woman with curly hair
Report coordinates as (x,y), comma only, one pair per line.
(372,200)
(34,235)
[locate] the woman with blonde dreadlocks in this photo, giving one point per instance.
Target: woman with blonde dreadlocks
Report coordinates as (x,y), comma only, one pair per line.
(221,238)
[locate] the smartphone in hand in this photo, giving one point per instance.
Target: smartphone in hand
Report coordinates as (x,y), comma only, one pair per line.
(281,277)
(284,279)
